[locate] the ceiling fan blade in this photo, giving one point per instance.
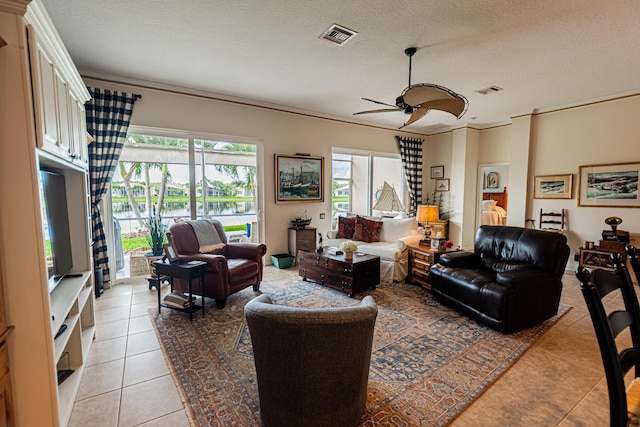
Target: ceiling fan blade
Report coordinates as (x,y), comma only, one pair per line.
(424,93)
(451,106)
(378,102)
(417,114)
(383,110)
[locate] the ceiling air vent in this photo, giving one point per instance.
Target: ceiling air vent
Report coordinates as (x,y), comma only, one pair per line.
(338,35)
(488,90)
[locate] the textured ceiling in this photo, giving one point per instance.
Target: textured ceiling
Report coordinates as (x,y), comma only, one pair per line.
(544,54)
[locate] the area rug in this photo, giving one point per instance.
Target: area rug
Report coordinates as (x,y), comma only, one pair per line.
(428,363)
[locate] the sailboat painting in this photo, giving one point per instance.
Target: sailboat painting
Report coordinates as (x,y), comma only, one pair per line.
(388,200)
(299,178)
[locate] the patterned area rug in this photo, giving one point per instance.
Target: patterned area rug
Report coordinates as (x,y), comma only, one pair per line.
(429,362)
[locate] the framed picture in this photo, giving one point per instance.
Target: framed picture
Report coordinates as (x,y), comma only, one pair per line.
(170,252)
(442,184)
(299,178)
(612,185)
(492,180)
(437,172)
(553,187)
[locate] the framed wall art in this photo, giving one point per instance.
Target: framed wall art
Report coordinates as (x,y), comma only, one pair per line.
(492,180)
(299,178)
(437,172)
(553,187)
(442,184)
(612,185)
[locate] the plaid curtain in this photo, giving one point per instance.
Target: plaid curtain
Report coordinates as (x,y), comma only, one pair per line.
(411,154)
(108,115)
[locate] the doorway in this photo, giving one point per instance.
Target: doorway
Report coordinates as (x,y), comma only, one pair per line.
(493,194)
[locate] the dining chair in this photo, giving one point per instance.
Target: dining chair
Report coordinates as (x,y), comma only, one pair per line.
(634,260)
(624,401)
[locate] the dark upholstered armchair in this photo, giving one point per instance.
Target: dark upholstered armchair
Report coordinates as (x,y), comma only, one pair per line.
(512,280)
(312,365)
(229,269)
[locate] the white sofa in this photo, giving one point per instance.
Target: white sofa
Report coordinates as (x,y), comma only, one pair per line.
(394,237)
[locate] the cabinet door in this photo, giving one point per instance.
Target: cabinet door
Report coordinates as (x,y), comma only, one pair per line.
(79,149)
(64,130)
(75,125)
(45,94)
(84,143)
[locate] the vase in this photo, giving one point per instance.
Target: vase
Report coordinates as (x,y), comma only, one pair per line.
(348,254)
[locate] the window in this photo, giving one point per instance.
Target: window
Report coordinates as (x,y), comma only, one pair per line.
(358,177)
(180,176)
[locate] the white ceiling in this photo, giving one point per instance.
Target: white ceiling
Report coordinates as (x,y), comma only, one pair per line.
(544,54)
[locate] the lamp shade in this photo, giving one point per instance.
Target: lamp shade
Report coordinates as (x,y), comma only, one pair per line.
(428,213)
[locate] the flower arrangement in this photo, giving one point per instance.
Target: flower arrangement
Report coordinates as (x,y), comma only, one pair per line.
(349,246)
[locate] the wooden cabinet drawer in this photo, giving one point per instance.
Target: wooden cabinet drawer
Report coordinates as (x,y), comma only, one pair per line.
(423,256)
(419,264)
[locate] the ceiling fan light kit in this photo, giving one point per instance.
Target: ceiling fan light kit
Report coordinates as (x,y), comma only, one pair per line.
(417,100)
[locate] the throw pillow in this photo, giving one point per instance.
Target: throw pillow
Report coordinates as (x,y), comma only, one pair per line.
(367,230)
(488,205)
(346,227)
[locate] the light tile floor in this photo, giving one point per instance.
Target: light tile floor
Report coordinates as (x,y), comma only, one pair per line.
(559,381)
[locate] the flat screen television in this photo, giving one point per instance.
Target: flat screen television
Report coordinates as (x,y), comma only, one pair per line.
(55,226)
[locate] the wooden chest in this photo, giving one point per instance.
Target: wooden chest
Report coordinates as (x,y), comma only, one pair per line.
(350,276)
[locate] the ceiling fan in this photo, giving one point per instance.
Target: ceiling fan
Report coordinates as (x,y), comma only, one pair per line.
(418,99)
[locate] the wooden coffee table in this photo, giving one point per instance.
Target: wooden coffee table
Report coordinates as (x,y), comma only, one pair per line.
(350,276)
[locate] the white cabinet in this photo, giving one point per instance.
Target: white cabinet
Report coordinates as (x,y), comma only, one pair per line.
(60,116)
(42,126)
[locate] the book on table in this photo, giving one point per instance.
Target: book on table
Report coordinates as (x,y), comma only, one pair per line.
(178,300)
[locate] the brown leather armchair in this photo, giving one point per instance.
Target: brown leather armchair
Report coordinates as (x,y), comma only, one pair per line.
(229,269)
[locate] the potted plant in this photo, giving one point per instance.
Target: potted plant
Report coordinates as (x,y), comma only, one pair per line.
(156,239)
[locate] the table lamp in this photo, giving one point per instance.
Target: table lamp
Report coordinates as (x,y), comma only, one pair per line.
(427,214)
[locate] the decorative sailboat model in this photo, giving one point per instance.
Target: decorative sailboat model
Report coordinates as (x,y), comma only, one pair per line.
(388,200)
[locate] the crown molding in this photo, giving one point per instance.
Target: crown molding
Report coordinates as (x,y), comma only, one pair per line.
(47,35)
(17,7)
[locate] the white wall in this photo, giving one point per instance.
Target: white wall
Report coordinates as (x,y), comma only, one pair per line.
(557,143)
(596,134)
(278,131)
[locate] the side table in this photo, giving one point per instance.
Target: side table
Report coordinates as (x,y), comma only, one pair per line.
(301,239)
(188,270)
(421,258)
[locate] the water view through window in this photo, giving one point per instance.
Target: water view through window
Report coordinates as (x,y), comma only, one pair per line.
(155,174)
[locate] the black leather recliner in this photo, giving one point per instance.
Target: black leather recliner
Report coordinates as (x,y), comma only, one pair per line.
(512,280)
